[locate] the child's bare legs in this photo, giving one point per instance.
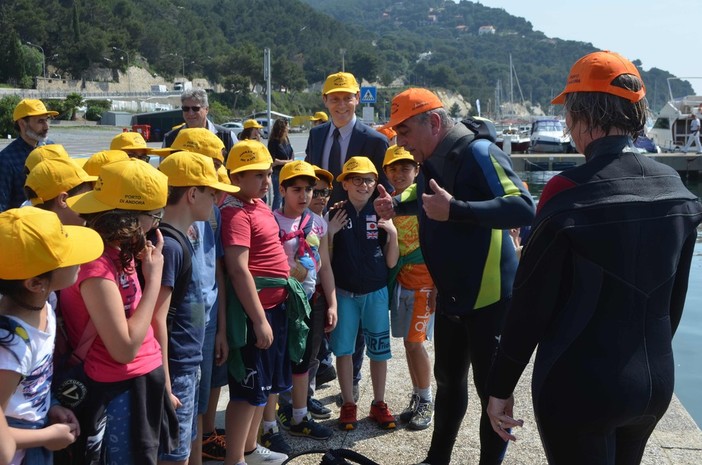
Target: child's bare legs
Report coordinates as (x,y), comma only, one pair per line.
(252,437)
(238,421)
(208,419)
(378,372)
(419,364)
(344,371)
(269,409)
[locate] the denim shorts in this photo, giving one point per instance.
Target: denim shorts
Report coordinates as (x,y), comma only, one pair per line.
(371,312)
(185,387)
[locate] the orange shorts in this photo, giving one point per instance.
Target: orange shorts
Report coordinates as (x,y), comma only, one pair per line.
(411,316)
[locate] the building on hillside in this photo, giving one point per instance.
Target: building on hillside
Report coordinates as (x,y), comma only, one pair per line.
(486,30)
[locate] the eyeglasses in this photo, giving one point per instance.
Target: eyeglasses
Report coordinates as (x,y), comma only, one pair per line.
(140,156)
(359,181)
(187,109)
(155,217)
(321,193)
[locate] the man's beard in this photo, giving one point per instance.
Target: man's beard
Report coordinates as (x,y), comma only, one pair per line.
(36,136)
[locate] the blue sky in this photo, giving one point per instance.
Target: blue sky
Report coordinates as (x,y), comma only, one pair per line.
(661,33)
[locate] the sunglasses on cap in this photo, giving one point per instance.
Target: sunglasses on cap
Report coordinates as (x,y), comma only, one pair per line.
(187,109)
(321,193)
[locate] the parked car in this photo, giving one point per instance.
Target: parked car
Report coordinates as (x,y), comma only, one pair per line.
(234,126)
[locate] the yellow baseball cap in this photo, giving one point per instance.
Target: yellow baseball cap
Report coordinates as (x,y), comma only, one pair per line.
(31,107)
(340,82)
(33,241)
(51,177)
(45,152)
(97,160)
(396,153)
(252,123)
(129,142)
(357,165)
(321,173)
(186,169)
(248,155)
(223,175)
(199,140)
(296,168)
(319,116)
(126,185)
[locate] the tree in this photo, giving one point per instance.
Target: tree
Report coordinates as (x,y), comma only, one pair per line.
(455,110)
(7,106)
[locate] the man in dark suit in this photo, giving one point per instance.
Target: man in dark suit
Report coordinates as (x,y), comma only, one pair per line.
(344,135)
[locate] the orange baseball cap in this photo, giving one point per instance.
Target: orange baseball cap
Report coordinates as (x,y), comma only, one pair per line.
(412,102)
(595,72)
(387,131)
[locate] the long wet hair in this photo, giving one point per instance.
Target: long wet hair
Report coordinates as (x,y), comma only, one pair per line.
(120,227)
(598,110)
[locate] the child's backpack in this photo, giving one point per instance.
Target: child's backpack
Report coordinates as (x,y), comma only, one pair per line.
(180,286)
(305,257)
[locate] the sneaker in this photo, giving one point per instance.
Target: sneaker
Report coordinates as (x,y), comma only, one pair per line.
(214,447)
(340,400)
(423,416)
(284,416)
(380,413)
(309,428)
(264,456)
(407,414)
(347,417)
(275,441)
(317,410)
(325,375)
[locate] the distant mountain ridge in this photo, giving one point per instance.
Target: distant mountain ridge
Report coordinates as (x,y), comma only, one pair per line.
(432,43)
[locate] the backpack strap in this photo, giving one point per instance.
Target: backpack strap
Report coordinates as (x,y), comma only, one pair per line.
(303,230)
(180,286)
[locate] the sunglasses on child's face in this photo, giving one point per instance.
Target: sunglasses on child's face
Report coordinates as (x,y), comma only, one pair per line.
(187,109)
(321,193)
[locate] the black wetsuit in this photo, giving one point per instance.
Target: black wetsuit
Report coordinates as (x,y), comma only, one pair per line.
(600,288)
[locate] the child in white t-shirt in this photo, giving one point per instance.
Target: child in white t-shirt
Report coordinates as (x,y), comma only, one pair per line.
(40,256)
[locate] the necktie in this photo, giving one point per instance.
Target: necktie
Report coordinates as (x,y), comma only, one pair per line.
(335,154)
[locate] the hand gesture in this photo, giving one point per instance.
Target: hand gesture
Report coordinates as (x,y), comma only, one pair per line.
(383,204)
(388,226)
(152,259)
(337,221)
(500,413)
(437,206)
(264,334)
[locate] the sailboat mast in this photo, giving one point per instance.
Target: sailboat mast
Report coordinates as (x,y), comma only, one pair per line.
(511,86)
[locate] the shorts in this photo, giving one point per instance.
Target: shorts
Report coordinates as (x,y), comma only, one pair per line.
(371,312)
(314,338)
(206,366)
(185,387)
(411,317)
(267,371)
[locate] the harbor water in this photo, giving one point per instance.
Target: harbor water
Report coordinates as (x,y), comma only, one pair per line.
(687,341)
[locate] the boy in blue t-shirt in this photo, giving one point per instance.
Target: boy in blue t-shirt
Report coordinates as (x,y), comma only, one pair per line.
(361,253)
(179,319)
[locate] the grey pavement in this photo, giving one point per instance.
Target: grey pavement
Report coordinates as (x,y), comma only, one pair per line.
(676,441)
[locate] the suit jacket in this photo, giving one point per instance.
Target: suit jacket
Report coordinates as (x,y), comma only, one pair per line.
(365,141)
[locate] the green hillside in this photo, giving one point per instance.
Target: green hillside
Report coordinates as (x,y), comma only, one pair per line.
(432,43)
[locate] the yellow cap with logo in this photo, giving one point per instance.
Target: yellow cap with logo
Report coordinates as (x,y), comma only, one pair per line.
(340,82)
(199,140)
(396,153)
(248,155)
(97,160)
(297,168)
(357,165)
(125,185)
(31,107)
